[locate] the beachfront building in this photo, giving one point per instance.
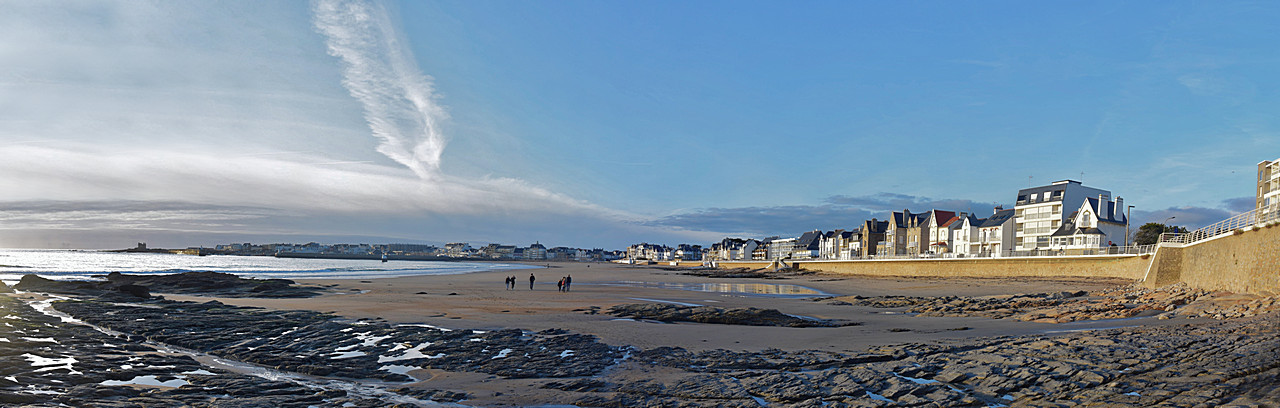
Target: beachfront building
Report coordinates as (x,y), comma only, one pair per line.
(922,237)
(873,234)
(964,236)
(731,249)
(940,237)
(836,244)
(997,233)
(807,246)
(686,252)
(1268,184)
(1040,211)
(851,247)
(1097,224)
(780,248)
(457,249)
(903,227)
(652,252)
(535,252)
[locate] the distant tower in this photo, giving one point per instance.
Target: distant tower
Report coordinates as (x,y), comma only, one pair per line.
(142,246)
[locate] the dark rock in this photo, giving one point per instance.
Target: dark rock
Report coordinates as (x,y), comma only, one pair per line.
(707,314)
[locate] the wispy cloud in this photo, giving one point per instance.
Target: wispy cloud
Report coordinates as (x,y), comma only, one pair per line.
(379,71)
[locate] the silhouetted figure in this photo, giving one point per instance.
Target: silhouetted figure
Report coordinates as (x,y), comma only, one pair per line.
(568,280)
(531,281)
(560,285)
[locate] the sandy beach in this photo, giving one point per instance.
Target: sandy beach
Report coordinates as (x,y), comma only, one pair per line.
(480,301)
(468,339)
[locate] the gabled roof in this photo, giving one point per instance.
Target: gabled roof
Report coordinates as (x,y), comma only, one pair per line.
(942,217)
(1110,215)
(809,240)
(949,221)
(1000,217)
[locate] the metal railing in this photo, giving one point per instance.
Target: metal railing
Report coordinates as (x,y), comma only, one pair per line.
(1111,250)
(1259,216)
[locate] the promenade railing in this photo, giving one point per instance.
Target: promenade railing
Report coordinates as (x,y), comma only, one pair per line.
(1255,217)
(1111,250)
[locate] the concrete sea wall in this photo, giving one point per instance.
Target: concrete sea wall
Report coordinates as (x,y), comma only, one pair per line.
(1245,262)
(1107,266)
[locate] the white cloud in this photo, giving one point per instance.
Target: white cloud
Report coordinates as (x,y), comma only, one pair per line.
(379,71)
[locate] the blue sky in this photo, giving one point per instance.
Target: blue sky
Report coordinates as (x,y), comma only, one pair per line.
(589,123)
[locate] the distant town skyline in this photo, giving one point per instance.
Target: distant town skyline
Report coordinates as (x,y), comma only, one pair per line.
(604,124)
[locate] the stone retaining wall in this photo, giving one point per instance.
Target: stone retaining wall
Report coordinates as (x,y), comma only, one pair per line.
(1108,266)
(1245,262)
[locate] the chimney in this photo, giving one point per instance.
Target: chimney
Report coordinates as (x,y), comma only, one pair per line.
(1102,206)
(1120,209)
(997,209)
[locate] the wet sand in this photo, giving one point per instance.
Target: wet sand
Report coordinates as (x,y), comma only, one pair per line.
(480,301)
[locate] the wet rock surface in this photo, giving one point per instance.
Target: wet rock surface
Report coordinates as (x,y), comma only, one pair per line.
(714,315)
(1229,363)
(191,283)
(47,362)
(1062,307)
(324,345)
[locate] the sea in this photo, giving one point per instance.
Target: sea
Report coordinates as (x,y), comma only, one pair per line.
(86,264)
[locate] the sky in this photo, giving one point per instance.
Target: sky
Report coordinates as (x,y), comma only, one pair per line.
(601,124)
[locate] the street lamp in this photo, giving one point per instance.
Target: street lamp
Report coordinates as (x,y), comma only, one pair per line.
(1127,215)
(1166,223)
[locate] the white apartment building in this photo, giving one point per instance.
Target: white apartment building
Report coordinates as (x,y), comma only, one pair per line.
(1039,211)
(996,234)
(781,248)
(1268,183)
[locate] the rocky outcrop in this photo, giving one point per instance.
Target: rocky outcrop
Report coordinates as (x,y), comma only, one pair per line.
(1062,307)
(189,283)
(324,345)
(47,362)
(216,284)
(714,315)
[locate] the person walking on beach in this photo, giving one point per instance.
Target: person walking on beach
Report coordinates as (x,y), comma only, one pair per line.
(531,281)
(560,285)
(568,280)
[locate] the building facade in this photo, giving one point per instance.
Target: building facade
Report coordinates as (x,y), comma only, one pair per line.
(1268,183)
(1040,211)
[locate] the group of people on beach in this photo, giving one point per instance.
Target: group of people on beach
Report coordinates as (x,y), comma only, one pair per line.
(562,285)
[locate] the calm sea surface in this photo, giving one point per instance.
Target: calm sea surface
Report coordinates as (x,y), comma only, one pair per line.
(67,265)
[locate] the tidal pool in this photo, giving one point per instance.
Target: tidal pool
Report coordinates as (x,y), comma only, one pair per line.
(752,289)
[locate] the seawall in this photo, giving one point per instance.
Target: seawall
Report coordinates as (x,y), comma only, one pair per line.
(1105,266)
(1247,261)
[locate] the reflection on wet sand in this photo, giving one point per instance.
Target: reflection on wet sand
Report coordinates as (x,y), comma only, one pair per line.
(759,289)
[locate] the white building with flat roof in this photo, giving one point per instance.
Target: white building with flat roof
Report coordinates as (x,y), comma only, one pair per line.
(1268,183)
(1039,211)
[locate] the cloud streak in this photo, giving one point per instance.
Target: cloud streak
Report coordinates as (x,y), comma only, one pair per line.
(379,71)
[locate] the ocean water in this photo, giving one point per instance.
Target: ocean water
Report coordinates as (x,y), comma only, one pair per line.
(83,265)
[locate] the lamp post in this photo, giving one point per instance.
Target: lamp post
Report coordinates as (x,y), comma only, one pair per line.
(1166,223)
(1127,216)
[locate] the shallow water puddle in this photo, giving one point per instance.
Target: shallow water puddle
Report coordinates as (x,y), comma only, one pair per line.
(412,353)
(502,354)
(754,289)
(148,380)
(667,301)
(346,354)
